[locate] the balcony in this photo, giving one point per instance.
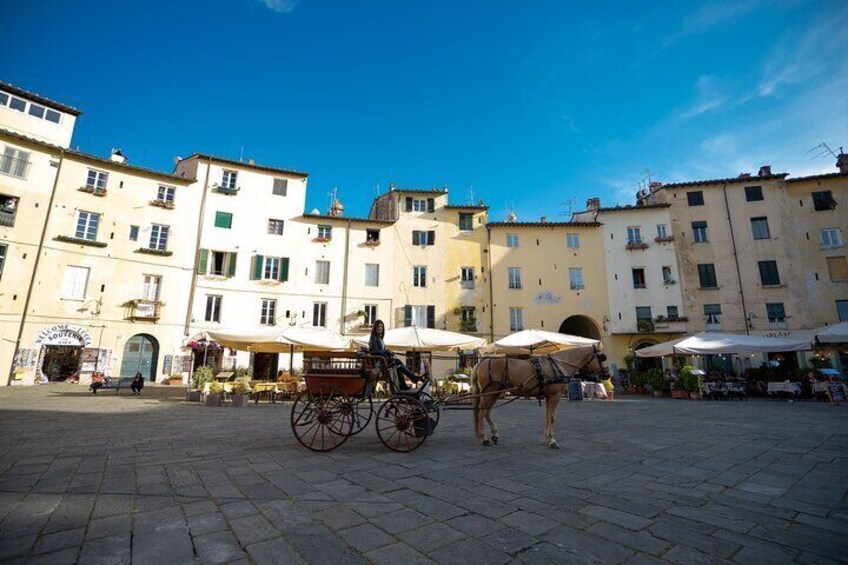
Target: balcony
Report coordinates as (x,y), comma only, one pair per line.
(8,210)
(162,204)
(636,245)
(644,326)
(101,192)
(227,190)
(371,242)
(669,281)
(666,239)
(142,309)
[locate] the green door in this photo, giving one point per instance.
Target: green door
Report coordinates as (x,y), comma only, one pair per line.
(140,355)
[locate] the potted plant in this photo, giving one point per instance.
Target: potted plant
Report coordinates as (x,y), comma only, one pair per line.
(199,378)
(216,394)
(175,378)
(692,382)
(240,393)
(656,380)
(678,388)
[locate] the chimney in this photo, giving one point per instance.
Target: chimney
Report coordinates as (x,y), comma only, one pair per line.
(117,156)
(744,175)
(336,209)
(593,203)
(842,162)
(765,171)
(655,185)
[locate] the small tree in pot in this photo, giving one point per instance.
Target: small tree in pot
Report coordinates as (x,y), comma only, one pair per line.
(240,393)
(216,394)
(656,380)
(691,382)
(199,378)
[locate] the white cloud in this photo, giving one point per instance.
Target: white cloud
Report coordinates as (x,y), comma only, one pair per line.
(709,95)
(711,15)
(281,6)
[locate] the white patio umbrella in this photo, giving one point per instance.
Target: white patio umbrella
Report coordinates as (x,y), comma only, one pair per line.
(539,341)
(309,337)
(837,333)
(709,343)
(413,338)
(261,340)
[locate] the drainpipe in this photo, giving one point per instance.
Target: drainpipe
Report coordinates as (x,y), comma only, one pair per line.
(35,267)
(344,279)
(197,251)
(491,296)
(735,258)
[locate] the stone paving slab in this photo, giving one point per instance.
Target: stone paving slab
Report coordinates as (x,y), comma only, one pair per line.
(119,479)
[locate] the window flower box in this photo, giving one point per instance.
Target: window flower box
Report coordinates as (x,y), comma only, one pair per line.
(645,326)
(225,190)
(160,252)
(635,245)
(101,192)
(665,239)
(372,242)
(78,241)
(162,204)
(322,239)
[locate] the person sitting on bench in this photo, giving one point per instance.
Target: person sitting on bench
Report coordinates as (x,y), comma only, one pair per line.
(377,346)
(97,382)
(137,384)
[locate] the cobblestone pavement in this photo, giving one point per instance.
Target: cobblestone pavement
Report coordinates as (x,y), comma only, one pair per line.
(150,479)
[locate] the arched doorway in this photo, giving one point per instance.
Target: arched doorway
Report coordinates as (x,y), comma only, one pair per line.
(141,353)
(645,363)
(582,326)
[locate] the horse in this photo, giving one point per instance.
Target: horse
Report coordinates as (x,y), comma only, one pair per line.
(494,375)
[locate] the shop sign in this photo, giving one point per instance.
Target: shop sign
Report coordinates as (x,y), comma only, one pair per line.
(63,334)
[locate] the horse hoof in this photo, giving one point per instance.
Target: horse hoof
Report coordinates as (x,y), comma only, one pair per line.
(487,443)
(495,440)
(553,445)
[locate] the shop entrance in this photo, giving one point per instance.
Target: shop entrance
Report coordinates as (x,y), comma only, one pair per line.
(265,366)
(61,362)
(141,353)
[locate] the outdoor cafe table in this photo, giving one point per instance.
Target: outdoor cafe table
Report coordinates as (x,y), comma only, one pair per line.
(784,388)
(594,390)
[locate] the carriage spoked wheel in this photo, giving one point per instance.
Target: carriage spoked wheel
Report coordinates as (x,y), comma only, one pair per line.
(361,410)
(321,418)
(402,423)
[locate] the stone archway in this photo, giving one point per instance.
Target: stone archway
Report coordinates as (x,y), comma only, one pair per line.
(141,354)
(580,325)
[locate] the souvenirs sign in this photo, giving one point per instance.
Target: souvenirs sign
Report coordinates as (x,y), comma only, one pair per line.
(63,334)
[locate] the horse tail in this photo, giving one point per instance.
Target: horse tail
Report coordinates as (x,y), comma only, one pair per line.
(475,389)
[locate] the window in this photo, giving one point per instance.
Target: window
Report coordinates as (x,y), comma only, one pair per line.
(372,274)
(3,250)
(823,201)
(768,273)
(712,314)
(270,268)
(666,274)
(419,276)
(281,187)
(8,210)
(319,314)
(466,221)
(760,228)
(572,240)
(643,314)
(671,312)
(776,313)
(275,227)
(228,180)
(837,267)
(466,277)
(753,193)
(96,180)
(76,280)
(419,205)
(213,307)
(662,231)
(831,237)
(634,234)
(423,237)
(159,237)
(512,240)
(695,198)
(268,314)
(707,276)
(325,232)
(17,104)
(468,319)
(53,116)
(4,99)
(575,278)
(133,233)
(322,272)
(516,319)
(36,110)
(87,223)
(223,220)
(223,264)
(370,314)
(151,287)
(639,278)
(699,232)
(372,236)
(421,316)
(514,277)
(166,194)
(842,310)
(14,162)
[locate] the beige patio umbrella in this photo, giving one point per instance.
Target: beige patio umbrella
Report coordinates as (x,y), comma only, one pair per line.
(539,341)
(413,338)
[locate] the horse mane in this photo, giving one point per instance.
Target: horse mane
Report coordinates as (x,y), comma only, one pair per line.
(569,361)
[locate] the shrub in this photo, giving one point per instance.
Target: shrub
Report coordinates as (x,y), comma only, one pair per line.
(200,377)
(655,378)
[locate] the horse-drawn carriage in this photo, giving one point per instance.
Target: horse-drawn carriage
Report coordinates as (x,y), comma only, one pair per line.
(338,400)
(338,403)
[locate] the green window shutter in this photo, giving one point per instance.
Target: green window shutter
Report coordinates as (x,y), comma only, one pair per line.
(284,269)
(223,220)
(202,261)
(231,265)
(415,238)
(407,316)
(257,267)
(409,204)
(431,204)
(431,238)
(431,316)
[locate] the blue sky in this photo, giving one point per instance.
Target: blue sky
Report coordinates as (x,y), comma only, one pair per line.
(530,104)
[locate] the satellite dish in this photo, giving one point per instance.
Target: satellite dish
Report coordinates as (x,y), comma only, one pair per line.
(315,212)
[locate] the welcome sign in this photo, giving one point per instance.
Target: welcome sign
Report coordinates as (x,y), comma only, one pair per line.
(64,334)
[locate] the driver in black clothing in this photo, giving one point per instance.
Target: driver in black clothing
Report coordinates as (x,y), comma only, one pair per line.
(376,346)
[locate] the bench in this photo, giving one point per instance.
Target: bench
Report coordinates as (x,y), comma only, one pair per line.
(118,383)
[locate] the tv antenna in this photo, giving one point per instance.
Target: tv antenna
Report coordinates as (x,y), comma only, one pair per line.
(570,204)
(823,150)
(509,209)
(471,194)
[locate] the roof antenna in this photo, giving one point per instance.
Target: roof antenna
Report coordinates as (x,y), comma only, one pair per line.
(824,150)
(241,155)
(471,194)
(570,203)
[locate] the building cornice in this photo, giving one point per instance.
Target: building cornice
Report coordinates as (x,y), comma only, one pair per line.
(327,218)
(491,225)
(32,96)
(240,164)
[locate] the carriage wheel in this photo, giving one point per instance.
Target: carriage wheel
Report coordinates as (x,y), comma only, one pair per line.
(321,420)
(361,411)
(401,423)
